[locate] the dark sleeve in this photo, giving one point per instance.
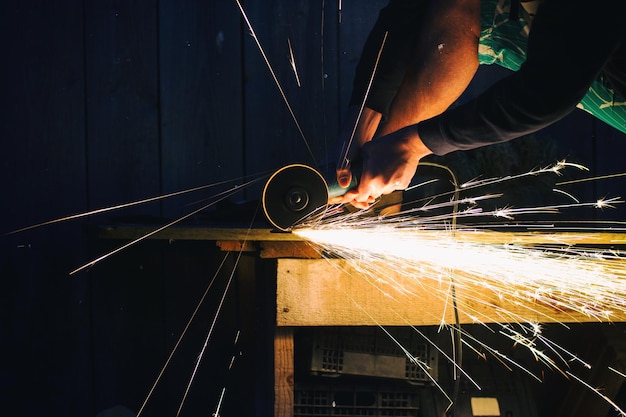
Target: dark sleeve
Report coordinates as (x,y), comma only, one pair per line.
(568,46)
(401,19)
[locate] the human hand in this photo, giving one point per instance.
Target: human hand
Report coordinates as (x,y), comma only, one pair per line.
(389,164)
(358,129)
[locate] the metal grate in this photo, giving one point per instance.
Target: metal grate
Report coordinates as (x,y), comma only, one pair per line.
(332,360)
(348,403)
(372,352)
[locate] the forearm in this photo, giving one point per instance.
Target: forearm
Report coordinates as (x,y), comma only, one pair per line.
(444,62)
(400,20)
(548,86)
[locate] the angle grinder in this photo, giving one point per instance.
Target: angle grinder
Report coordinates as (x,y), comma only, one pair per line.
(298,192)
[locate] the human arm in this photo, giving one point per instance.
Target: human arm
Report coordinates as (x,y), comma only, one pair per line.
(443,64)
(568,47)
(381,69)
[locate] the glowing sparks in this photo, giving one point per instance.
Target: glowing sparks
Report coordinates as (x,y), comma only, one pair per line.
(555,168)
(508,283)
(589,282)
(292,62)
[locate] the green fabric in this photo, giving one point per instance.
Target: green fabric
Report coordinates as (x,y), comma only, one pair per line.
(503,42)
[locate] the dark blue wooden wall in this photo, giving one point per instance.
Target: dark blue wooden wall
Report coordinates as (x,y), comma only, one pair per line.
(107,102)
(110,102)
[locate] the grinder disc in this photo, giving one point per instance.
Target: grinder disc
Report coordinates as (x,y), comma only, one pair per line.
(293,193)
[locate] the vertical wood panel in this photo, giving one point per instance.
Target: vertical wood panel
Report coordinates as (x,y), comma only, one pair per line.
(272,136)
(122,99)
(201,96)
(283,372)
(42,113)
(191,268)
(123,154)
(44,323)
(357,19)
(127,321)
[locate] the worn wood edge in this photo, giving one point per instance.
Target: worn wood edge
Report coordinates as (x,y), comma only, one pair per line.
(237,245)
(266,234)
(283,372)
(332,292)
(210,233)
(289,249)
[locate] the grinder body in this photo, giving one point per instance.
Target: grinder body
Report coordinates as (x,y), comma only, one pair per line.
(298,192)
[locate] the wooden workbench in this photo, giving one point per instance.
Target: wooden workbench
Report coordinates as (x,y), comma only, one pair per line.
(316,291)
(311,290)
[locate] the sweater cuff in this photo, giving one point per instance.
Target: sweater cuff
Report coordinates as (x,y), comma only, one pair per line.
(432,134)
(378,100)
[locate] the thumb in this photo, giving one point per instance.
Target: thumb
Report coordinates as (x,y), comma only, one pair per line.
(344,177)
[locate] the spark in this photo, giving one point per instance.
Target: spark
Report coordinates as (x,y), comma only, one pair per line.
(555,168)
(590,282)
(212,327)
(182,336)
(292,62)
(600,177)
(502,284)
(119,206)
(344,155)
(597,392)
(617,372)
(556,190)
(221,196)
(208,337)
(219,404)
(274,77)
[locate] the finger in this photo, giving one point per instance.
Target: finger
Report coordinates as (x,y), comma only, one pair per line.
(390,188)
(344,177)
(367,198)
(349,196)
(361,206)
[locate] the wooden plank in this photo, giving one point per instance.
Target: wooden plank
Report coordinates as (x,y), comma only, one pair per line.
(46,328)
(237,246)
(273,138)
(127,315)
(123,154)
(42,118)
(194,233)
(283,372)
(287,249)
(357,19)
(201,81)
(262,235)
(191,273)
(336,293)
(122,104)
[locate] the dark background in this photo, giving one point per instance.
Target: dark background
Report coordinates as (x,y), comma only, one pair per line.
(110,102)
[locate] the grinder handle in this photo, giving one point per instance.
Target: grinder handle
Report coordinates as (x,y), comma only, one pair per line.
(334,189)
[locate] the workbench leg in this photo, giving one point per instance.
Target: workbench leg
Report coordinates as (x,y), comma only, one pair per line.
(283,372)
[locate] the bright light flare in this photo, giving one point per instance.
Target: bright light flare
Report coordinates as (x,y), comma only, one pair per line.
(518,284)
(590,282)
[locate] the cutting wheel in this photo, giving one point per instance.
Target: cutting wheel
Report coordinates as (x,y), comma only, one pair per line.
(294,193)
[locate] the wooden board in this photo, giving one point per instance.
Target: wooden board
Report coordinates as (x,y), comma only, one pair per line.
(356,20)
(336,293)
(277,134)
(283,372)
(122,104)
(44,316)
(267,235)
(201,120)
